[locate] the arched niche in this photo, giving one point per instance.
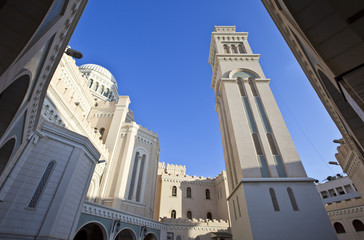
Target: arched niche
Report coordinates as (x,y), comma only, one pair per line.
(243,74)
(11,99)
(126,234)
(91,231)
(150,236)
(5,153)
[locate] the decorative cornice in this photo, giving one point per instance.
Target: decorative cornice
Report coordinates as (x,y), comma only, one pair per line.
(110,213)
(345,211)
(64,30)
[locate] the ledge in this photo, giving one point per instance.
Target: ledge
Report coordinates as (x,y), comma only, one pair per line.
(271,180)
(287,179)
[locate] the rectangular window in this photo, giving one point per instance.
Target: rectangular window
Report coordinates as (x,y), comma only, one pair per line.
(324,194)
(332,193)
(237,202)
(348,188)
(340,190)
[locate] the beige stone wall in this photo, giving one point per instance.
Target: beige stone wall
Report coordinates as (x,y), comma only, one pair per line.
(343,205)
(352,165)
(175,176)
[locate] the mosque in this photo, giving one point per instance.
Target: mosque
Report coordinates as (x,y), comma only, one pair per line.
(89,171)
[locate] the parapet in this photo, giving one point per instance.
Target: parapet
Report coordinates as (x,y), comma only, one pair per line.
(224,28)
(195,222)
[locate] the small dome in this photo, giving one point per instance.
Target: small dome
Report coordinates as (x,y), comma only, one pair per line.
(99,69)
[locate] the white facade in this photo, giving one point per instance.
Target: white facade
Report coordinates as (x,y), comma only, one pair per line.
(129,151)
(267,183)
(344,207)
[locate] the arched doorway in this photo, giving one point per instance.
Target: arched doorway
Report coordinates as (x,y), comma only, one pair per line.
(125,234)
(150,236)
(91,231)
(5,153)
(11,99)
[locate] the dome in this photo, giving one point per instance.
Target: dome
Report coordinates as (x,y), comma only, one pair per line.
(99,69)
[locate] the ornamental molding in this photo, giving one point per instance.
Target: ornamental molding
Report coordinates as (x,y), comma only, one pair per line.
(62,34)
(345,211)
(109,213)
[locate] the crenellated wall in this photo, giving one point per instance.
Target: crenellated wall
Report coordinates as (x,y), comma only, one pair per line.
(183,196)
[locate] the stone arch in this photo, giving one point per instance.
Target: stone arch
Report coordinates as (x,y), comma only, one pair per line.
(241,48)
(226,48)
(5,153)
(234,49)
(126,234)
(245,73)
(91,231)
(102,132)
(11,100)
(31,28)
(173,214)
(209,215)
(150,236)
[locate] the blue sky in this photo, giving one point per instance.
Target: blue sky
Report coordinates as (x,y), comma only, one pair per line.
(158,52)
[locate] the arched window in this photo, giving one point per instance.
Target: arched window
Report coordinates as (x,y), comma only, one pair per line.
(339,228)
(96,86)
(241,87)
(174,191)
(173,214)
(102,131)
(234,49)
(209,216)
(208,194)
(140,179)
(293,199)
(226,48)
(258,147)
(189,194)
(90,83)
(46,110)
(272,144)
(274,199)
(106,93)
(137,177)
(102,89)
(189,215)
(241,48)
(358,225)
(253,87)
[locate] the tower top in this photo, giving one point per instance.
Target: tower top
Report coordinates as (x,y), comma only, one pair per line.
(224,28)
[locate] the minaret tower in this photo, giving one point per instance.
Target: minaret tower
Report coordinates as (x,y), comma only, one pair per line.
(271,195)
